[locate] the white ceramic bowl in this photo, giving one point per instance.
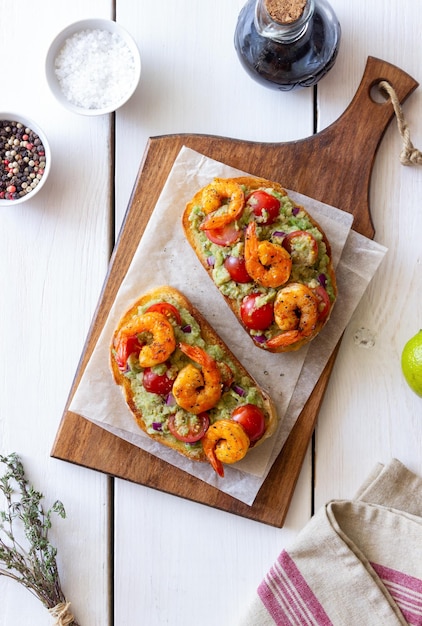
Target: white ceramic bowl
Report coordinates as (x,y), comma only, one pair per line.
(83,82)
(22,151)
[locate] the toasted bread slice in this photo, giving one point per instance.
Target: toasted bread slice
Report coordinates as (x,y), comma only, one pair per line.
(167,402)
(268,257)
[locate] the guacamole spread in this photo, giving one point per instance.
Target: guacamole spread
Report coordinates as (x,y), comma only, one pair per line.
(161,414)
(296,240)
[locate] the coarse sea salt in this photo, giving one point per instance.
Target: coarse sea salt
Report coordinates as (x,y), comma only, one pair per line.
(95,69)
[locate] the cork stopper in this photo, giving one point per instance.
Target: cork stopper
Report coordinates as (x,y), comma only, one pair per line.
(285,11)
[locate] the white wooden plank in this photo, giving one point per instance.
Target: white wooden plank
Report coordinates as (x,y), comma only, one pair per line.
(179,562)
(182,563)
(192,82)
(54,255)
(369,414)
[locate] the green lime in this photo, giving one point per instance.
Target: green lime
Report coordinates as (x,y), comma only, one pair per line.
(411,363)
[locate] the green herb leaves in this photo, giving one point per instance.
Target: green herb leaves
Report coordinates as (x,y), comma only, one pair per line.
(26,555)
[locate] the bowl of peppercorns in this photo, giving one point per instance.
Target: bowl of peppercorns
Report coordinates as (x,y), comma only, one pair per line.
(24,159)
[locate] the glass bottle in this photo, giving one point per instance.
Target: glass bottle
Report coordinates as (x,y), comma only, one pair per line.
(284,44)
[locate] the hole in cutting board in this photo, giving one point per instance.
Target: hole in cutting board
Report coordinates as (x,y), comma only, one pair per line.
(377,94)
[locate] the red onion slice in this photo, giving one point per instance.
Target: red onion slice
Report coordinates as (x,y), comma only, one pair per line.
(260,338)
(322,279)
(170,400)
(239,390)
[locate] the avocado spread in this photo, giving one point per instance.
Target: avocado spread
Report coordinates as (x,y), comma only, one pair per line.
(291,218)
(157,408)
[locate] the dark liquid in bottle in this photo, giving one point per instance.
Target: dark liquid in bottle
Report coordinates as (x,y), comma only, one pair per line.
(285,66)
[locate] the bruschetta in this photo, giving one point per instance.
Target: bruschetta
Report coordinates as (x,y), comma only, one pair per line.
(183,385)
(268,257)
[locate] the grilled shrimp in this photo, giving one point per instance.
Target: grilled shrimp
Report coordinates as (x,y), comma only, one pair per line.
(215,196)
(295,313)
(225,442)
(267,263)
(157,333)
(197,390)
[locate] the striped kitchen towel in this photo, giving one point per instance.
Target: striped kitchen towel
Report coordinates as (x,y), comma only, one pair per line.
(356,563)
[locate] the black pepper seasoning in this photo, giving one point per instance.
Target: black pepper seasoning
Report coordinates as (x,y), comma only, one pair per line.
(285,44)
(19,145)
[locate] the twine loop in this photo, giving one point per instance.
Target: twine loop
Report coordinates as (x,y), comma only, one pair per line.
(61,613)
(409,154)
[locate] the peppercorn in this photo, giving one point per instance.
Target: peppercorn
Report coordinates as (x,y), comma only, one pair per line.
(19,147)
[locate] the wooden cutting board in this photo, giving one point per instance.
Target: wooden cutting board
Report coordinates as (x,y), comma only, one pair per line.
(333,166)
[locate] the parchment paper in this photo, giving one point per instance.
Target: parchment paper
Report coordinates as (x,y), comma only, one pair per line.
(164,257)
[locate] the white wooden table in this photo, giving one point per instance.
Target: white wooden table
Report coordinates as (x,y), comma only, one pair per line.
(129,555)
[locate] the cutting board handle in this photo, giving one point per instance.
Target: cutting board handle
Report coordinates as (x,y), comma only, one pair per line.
(346,149)
(366,107)
(370,111)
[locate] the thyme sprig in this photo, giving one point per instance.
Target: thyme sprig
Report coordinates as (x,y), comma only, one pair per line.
(24,521)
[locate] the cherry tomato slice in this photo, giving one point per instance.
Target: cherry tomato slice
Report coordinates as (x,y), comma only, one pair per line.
(302,246)
(192,429)
(252,419)
(236,267)
(253,316)
(160,384)
(224,236)
(265,206)
(125,347)
(324,305)
(167,309)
